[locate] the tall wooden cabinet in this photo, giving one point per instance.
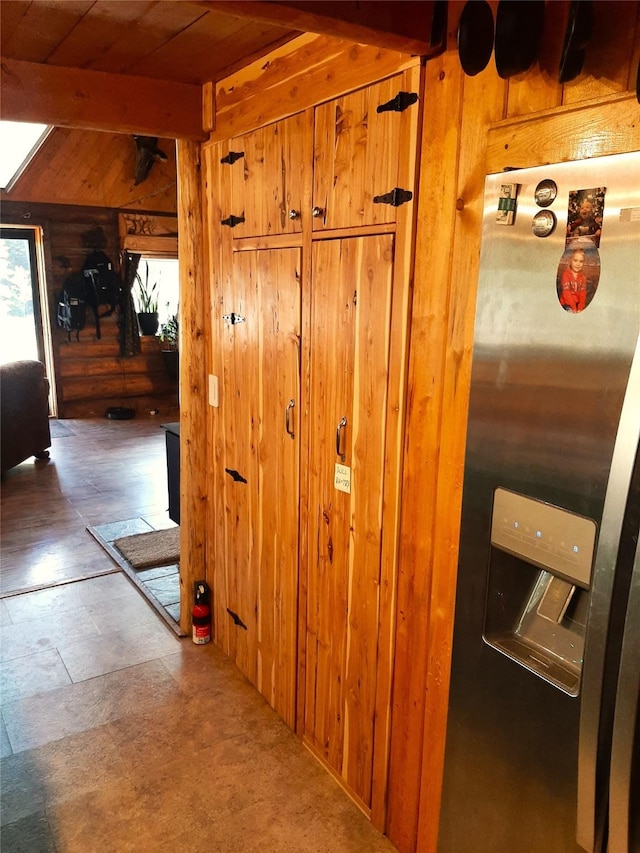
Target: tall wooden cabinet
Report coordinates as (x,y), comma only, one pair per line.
(258,324)
(351,321)
(311,220)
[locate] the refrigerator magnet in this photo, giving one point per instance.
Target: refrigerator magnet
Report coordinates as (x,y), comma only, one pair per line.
(543,223)
(506,214)
(545,193)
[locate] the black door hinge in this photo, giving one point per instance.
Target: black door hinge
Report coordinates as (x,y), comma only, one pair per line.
(236,619)
(232,156)
(396,197)
(232,221)
(401,102)
(234,318)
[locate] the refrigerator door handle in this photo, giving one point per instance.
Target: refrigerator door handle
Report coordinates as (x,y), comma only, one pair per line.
(625,721)
(589,806)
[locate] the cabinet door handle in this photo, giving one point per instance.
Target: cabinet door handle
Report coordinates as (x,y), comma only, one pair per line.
(317,212)
(339,429)
(287,414)
(294,214)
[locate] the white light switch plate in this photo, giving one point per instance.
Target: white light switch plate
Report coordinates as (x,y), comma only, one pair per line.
(214,392)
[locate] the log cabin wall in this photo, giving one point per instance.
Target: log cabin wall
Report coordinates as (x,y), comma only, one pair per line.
(472,126)
(73,189)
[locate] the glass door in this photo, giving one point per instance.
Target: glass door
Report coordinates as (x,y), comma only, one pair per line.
(19,297)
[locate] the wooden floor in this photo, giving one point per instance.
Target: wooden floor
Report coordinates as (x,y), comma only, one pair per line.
(99,471)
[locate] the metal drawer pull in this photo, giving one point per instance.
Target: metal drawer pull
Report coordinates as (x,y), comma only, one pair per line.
(317,212)
(294,214)
(287,424)
(341,426)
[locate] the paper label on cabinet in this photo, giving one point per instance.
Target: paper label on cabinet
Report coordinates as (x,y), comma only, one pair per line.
(342,478)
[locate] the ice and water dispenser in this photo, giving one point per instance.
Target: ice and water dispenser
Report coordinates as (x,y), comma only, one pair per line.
(537,592)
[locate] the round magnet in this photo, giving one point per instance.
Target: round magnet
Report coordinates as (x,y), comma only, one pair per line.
(543,223)
(545,193)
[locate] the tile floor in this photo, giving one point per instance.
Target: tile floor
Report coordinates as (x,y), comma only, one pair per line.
(116,735)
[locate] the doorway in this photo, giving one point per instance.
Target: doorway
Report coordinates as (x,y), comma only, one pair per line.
(25,327)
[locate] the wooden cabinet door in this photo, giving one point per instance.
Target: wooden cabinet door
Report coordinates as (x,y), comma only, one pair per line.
(351,324)
(357,155)
(267,180)
(260,409)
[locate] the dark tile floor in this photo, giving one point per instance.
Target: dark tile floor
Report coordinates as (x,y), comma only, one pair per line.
(116,735)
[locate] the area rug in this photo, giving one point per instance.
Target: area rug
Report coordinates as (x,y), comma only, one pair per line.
(158,576)
(146,550)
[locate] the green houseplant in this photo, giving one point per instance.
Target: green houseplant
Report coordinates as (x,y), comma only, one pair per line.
(146,303)
(169,345)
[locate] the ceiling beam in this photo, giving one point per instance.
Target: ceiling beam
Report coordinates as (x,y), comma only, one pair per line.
(97,100)
(402,26)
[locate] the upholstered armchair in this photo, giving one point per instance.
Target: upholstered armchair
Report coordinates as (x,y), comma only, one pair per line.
(24,413)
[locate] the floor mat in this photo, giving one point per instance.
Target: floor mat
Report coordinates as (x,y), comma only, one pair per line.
(146,550)
(158,582)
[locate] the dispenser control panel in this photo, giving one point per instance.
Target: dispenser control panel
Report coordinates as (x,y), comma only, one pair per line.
(547,536)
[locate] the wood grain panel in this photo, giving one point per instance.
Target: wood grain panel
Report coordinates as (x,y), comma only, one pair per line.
(96,31)
(355,157)
(401,26)
(278,459)
(12,16)
(594,129)
(607,57)
(97,100)
(42,28)
(351,299)
(260,376)
(82,167)
(267,183)
(212,42)
(407,228)
(193,315)
(160,22)
(240,410)
(268,91)
(441,138)
(220,262)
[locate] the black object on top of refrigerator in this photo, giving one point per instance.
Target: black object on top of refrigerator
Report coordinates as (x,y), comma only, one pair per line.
(542,752)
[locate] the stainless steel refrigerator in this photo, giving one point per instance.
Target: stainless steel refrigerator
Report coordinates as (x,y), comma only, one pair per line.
(542,751)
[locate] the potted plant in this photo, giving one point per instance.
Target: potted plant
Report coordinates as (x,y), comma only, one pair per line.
(169,344)
(146,303)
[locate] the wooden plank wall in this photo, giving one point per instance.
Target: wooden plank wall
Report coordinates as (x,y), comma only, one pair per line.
(473,126)
(90,375)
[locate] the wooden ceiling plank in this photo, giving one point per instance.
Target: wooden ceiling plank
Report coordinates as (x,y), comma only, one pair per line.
(402,26)
(11,15)
(42,28)
(195,50)
(240,47)
(48,151)
(71,97)
(159,25)
(97,31)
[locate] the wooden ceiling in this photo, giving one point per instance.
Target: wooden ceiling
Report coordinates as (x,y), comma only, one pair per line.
(194,41)
(183,41)
(138,66)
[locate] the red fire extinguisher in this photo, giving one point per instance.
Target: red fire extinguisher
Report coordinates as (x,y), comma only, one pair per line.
(201,614)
